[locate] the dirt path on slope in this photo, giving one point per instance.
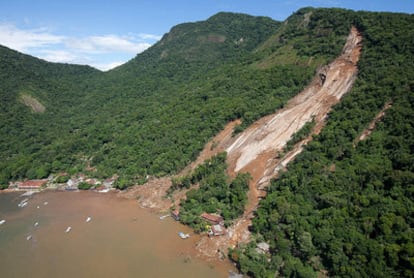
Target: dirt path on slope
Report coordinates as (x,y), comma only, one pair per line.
(256,149)
(367,132)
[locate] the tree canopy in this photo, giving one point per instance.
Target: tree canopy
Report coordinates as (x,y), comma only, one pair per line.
(346,207)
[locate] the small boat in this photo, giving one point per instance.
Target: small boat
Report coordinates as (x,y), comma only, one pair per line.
(164,216)
(45,203)
(2,222)
(183,236)
(29,237)
(23,203)
(28,193)
(36,224)
(88,219)
(68,229)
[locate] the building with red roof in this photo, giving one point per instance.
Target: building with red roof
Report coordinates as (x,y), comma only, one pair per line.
(32,184)
(213,219)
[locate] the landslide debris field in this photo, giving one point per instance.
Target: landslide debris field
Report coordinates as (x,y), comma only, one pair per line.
(256,150)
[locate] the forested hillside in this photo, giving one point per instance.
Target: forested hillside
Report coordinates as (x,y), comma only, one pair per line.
(152,115)
(345,207)
(36,105)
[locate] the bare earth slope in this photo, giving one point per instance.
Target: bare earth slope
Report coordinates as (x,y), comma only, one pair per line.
(256,149)
(271,133)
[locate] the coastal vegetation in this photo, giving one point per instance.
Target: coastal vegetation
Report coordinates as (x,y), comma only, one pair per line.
(85,186)
(215,193)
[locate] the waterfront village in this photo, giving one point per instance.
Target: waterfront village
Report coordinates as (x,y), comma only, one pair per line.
(63,181)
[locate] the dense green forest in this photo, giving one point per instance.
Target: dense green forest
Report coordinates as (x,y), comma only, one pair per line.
(215,193)
(344,207)
(152,115)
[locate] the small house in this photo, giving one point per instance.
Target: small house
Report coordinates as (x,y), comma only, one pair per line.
(81,177)
(213,219)
(73,182)
(102,189)
(175,214)
(32,184)
(110,182)
(71,188)
(217,230)
(91,181)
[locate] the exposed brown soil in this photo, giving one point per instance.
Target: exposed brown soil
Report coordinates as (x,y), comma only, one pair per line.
(32,103)
(218,144)
(151,195)
(367,132)
(257,150)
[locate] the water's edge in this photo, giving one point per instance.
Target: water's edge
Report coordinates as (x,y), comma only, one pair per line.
(120,240)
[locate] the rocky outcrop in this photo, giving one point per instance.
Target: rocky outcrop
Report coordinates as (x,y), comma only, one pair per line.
(322,72)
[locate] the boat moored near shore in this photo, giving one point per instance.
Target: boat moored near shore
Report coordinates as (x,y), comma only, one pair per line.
(183,235)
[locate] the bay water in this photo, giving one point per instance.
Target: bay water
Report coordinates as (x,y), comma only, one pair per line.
(120,239)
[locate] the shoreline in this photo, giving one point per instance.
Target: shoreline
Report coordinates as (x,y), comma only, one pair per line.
(223,265)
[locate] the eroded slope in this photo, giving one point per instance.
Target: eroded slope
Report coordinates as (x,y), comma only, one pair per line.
(256,149)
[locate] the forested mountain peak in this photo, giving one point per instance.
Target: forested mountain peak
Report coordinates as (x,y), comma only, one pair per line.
(231,27)
(221,38)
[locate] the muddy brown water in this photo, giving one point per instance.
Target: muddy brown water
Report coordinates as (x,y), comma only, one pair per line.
(121,240)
